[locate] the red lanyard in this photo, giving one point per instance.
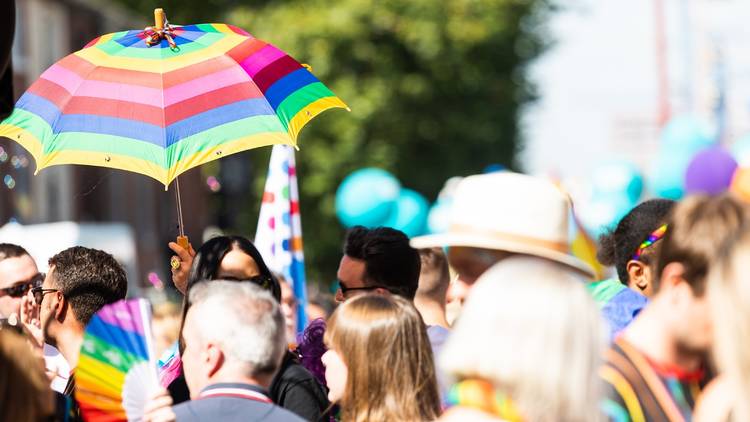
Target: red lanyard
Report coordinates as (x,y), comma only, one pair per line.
(242,393)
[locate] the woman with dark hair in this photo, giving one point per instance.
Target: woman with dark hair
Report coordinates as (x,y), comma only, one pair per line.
(630,247)
(236,258)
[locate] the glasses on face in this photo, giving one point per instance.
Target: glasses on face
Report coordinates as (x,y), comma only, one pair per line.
(39,293)
(20,289)
(345,290)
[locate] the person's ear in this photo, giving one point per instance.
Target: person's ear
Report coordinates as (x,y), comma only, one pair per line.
(382,291)
(213,359)
(638,275)
(672,276)
(59,305)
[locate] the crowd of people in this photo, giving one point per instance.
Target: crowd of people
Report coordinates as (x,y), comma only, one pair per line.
(536,338)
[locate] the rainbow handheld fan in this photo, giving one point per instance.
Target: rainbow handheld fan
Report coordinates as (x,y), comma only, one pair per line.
(116,370)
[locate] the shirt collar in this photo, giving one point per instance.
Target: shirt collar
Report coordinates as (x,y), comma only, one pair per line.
(251,387)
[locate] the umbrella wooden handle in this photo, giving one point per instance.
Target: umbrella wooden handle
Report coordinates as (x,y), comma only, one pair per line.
(159,18)
(183,242)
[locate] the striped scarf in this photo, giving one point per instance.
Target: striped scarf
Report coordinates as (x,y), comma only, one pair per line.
(482,395)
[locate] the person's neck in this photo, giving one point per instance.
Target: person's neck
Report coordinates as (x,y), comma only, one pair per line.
(68,341)
(433,313)
(650,334)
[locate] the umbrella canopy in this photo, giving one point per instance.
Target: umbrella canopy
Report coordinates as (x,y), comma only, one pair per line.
(162,101)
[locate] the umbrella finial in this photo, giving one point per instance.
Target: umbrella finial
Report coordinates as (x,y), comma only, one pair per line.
(159,18)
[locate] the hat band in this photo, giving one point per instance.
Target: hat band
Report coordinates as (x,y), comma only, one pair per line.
(511,237)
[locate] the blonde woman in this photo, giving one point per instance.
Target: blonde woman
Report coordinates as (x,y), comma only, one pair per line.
(728,397)
(526,347)
(379,365)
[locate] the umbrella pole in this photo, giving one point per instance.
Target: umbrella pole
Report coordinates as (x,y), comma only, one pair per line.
(182,240)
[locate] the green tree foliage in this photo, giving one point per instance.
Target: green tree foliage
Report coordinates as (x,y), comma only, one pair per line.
(435,88)
(183,11)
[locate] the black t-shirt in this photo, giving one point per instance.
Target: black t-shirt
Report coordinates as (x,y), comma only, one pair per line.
(296,389)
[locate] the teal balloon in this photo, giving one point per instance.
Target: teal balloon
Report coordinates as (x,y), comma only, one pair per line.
(604,212)
(367,197)
(686,134)
(410,213)
(668,175)
(438,219)
(617,177)
(741,151)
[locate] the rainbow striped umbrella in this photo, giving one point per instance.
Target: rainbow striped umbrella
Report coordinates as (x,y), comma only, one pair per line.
(165,99)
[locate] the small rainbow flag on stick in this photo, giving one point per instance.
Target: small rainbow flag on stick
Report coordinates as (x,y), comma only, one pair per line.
(279,233)
(116,371)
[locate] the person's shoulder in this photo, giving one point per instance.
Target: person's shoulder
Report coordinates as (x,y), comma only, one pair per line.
(438,335)
(186,411)
(232,409)
(715,402)
(279,414)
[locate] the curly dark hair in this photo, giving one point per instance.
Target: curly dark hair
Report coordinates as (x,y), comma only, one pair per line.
(390,262)
(89,279)
(617,246)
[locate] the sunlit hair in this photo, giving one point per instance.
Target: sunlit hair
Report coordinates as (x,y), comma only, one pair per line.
(434,276)
(391,372)
(530,328)
(698,225)
(245,320)
(728,293)
(24,389)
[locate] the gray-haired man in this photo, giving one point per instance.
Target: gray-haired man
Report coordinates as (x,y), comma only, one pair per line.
(234,342)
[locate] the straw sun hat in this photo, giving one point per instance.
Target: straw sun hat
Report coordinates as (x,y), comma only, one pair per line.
(509,212)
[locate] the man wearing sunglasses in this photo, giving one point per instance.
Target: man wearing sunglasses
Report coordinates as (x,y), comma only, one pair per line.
(378,260)
(18,274)
(79,283)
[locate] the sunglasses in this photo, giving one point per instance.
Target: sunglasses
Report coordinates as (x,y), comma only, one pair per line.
(345,289)
(20,289)
(39,293)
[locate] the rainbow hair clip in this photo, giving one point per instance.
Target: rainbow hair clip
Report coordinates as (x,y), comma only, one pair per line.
(654,237)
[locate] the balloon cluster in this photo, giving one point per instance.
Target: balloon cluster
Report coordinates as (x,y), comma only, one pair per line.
(689,161)
(696,164)
(372,197)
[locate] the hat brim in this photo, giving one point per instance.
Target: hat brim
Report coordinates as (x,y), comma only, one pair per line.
(470,240)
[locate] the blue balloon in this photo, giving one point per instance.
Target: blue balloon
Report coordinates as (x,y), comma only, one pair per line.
(687,135)
(741,151)
(367,197)
(668,175)
(604,212)
(410,213)
(617,177)
(438,219)
(494,168)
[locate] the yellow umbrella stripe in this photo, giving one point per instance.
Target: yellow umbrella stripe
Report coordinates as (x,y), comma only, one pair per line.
(219,48)
(148,168)
(309,112)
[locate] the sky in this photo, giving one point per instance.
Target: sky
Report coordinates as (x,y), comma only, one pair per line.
(599,86)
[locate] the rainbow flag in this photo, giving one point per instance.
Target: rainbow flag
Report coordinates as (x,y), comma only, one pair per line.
(279,233)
